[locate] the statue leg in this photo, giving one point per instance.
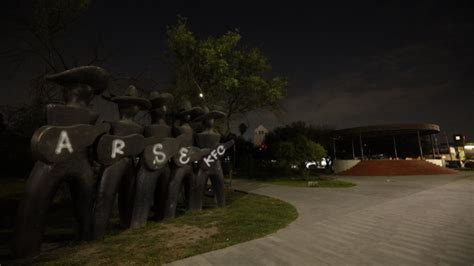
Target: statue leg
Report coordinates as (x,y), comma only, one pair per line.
(174,187)
(161,192)
(41,186)
(217,180)
(108,187)
(145,189)
(196,195)
(126,194)
(82,187)
(187,188)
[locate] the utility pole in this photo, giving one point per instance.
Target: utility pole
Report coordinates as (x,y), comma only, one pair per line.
(449,146)
(436,145)
(432,146)
(419,144)
(353,151)
(361,147)
(395,147)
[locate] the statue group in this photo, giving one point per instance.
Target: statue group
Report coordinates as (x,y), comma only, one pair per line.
(146,167)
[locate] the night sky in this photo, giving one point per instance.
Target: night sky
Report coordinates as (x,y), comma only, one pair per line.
(348,63)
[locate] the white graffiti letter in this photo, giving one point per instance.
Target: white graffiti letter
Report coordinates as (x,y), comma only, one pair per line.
(220,150)
(63,143)
(160,157)
(214,154)
(117,147)
(208,160)
(183,156)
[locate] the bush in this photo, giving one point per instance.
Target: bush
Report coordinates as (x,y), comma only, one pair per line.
(297,151)
(469,164)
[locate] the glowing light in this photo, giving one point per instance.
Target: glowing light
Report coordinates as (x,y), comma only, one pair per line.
(201,95)
(319,164)
(309,164)
(469,147)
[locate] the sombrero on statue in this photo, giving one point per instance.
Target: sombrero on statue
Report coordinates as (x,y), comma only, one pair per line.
(159,99)
(188,109)
(132,97)
(210,115)
(94,76)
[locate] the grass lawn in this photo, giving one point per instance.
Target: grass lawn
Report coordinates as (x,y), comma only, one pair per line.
(11,188)
(465,169)
(312,180)
(246,217)
(300,182)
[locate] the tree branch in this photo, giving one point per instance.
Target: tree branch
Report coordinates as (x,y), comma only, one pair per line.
(59,55)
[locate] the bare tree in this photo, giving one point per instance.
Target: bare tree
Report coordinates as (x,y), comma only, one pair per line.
(38,37)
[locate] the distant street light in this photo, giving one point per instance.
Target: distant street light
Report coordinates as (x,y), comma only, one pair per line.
(201,95)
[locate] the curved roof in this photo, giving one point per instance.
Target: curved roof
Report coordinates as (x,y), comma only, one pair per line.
(387,130)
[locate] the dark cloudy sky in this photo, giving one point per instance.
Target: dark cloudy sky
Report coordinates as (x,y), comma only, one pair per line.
(349,63)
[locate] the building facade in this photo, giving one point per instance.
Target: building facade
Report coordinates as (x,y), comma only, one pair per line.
(259,135)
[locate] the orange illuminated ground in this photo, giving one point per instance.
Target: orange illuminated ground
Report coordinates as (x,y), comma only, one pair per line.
(396,167)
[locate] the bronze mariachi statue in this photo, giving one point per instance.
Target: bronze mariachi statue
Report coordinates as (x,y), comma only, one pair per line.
(182,174)
(154,173)
(210,165)
(116,152)
(61,149)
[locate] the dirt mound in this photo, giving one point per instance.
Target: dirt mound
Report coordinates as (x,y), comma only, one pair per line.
(396,167)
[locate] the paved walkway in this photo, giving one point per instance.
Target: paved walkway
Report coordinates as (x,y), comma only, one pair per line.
(409,220)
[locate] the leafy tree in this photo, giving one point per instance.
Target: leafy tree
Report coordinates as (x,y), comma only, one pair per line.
(296,144)
(285,152)
(221,73)
(297,150)
(317,133)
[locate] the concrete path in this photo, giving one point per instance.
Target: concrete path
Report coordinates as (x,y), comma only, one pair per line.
(410,220)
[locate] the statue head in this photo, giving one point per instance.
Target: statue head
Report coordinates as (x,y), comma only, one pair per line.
(188,113)
(208,117)
(159,103)
(81,84)
(131,103)
(208,123)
